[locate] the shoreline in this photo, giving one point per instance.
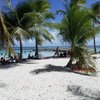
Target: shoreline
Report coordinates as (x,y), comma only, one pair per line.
(51,49)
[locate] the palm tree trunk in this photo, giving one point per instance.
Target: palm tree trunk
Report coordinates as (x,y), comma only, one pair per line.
(9,53)
(94,42)
(21,49)
(69,64)
(95,51)
(36,49)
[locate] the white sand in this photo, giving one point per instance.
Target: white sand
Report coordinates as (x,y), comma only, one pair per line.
(37,80)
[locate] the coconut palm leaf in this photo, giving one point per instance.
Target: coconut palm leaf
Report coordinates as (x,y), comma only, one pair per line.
(77,2)
(76,29)
(5,37)
(3,30)
(8,5)
(46,34)
(96,8)
(21,32)
(51,25)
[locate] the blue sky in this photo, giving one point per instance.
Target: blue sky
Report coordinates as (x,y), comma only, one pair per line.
(56,5)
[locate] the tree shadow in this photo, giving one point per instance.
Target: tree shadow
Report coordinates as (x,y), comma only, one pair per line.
(85,74)
(3,85)
(14,64)
(28,61)
(50,68)
(98,98)
(10,65)
(85,93)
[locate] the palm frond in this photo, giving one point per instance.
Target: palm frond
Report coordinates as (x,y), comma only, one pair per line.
(76,28)
(21,32)
(46,34)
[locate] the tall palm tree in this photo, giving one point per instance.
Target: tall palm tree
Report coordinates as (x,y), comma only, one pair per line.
(95,13)
(40,31)
(38,13)
(76,29)
(6,40)
(15,25)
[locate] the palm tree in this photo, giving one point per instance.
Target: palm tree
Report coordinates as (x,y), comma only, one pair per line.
(40,31)
(6,40)
(15,25)
(76,29)
(95,13)
(37,15)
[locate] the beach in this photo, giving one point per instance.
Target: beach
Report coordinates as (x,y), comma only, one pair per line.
(49,50)
(47,79)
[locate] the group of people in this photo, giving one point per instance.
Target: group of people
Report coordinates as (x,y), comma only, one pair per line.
(59,53)
(30,57)
(10,59)
(15,58)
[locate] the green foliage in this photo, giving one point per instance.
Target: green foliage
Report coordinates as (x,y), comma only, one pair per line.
(96,8)
(33,16)
(35,13)
(15,26)
(5,37)
(95,15)
(76,28)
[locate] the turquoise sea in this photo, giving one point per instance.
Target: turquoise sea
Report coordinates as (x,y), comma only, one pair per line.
(44,51)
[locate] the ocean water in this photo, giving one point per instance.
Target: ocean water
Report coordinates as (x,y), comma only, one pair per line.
(47,51)
(31,51)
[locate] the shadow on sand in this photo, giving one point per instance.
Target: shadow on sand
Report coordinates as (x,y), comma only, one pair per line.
(28,61)
(84,93)
(11,65)
(50,68)
(14,64)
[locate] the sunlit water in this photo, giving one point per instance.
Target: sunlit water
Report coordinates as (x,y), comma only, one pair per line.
(3,53)
(45,53)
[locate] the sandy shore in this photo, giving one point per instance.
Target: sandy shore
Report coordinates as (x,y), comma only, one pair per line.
(47,79)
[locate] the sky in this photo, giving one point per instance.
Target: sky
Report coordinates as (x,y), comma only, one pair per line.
(56,5)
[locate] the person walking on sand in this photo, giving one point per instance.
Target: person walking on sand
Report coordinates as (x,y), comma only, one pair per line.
(57,52)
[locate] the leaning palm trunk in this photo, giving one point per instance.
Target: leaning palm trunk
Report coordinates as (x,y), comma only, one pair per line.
(36,50)
(95,51)
(94,42)
(21,48)
(69,64)
(9,53)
